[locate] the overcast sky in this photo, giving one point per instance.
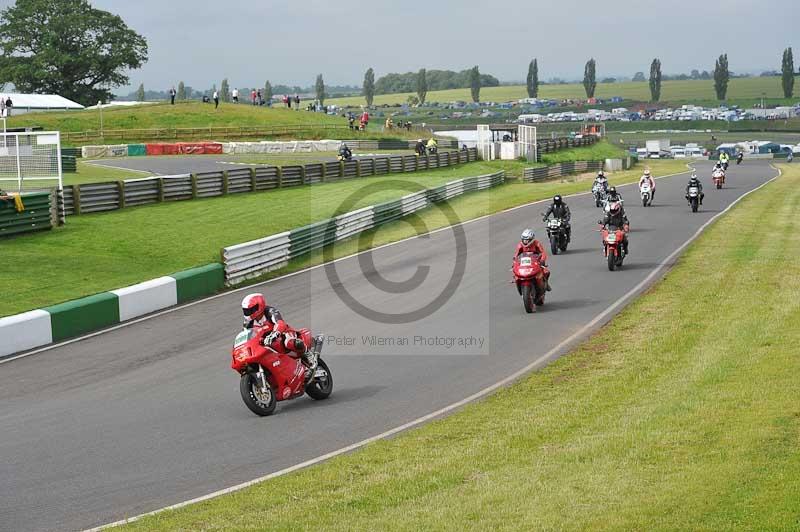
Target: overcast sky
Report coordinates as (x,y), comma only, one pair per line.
(250,41)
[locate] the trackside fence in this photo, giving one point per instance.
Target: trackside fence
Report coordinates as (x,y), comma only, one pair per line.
(254,258)
(532,175)
(113,195)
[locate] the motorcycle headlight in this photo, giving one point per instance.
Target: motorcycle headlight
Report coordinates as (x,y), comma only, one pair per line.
(611,237)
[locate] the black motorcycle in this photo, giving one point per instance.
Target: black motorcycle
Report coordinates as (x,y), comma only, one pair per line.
(557,234)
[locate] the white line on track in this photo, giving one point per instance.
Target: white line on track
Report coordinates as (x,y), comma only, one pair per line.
(288,275)
(111,167)
(599,319)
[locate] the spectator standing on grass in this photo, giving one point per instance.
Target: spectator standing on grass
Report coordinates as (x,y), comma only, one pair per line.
(9,105)
(253,96)
(235,95)
(172,94)
(296,102)
(364,119)
(216,99)
(260,98)
(2,106)
(289,101)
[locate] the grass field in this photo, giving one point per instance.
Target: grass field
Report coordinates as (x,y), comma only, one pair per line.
(740,90)
(692,426)
(98,252)
(192,115)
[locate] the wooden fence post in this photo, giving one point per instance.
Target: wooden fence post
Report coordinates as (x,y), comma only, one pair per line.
(76,199)
(194,185)
(224,182)
(160,185)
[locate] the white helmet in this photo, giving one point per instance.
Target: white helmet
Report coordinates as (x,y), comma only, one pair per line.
(527,236)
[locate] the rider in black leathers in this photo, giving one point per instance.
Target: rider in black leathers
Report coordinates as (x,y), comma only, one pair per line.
(560,210)
(695,182)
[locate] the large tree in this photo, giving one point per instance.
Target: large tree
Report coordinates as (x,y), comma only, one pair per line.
(67,47)
(533,79)
(721,77)
(369,86)
(787,69)
(422,85)
(590,78)
(140,93)
(655,80)
(320,88)
(181,91)
(475,84)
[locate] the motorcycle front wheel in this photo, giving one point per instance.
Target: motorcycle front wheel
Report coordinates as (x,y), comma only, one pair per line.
(695,204)
(612,261)
(320,386)
(260,403)
(527,298)
(554,244)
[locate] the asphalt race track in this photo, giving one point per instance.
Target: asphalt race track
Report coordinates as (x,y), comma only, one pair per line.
(149,415)
(190,164)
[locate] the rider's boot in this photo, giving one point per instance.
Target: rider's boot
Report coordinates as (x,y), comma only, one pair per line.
(310,357)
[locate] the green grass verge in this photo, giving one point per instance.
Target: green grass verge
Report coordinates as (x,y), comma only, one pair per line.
(597,152)
(95,173)
(692,426)
(740,91)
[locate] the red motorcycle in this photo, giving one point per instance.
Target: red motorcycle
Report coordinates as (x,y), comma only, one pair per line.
(719,179)
(529,276)
(613,248)
(268,374)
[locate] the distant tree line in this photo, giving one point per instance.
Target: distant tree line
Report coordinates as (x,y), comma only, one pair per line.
(436,80)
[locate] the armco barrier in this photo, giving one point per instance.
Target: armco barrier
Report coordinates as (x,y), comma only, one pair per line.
(111,195)
(81,316)
(38,215)
(531,175)
(251,259)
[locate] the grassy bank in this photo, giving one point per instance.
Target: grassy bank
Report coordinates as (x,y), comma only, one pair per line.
(740,91)
(109,250)
(597,152)
(193,115)
(695,425)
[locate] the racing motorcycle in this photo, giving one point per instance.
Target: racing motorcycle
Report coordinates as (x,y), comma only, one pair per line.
(530,279)
(646,194)
(557,234)
(599,193)
(718,178)
(694,198)
(269,375)
(613,248)
(344,155)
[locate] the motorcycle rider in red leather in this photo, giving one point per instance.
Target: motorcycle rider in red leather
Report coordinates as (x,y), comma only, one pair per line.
(529,244)
(257,315)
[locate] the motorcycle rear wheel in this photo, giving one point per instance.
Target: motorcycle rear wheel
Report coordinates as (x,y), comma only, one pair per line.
(248,386)
(320,389)
(527,298)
